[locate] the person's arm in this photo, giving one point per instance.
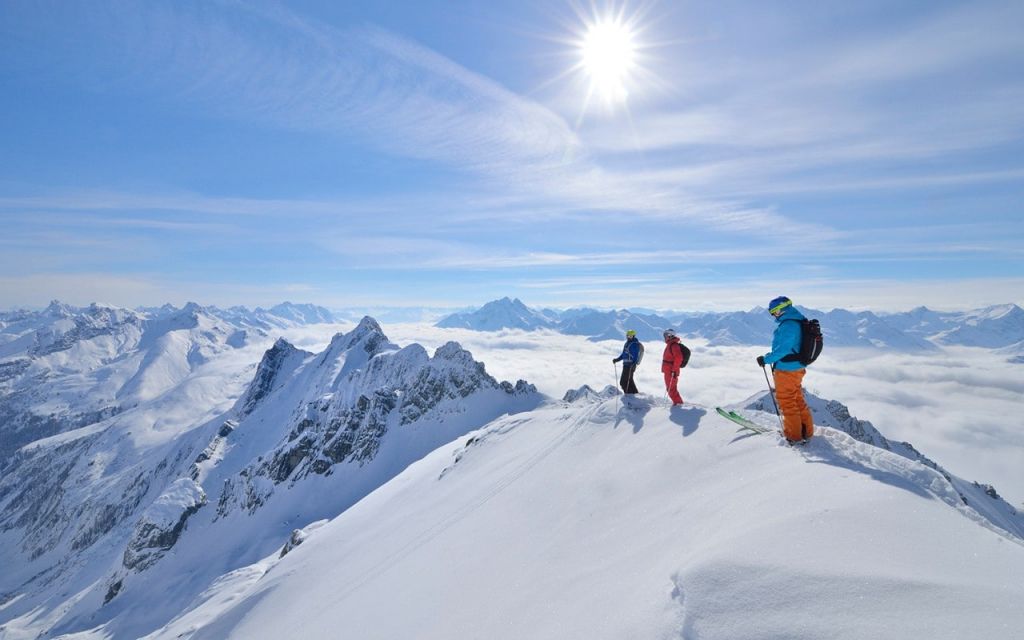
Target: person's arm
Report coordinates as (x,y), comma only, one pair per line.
(624,354)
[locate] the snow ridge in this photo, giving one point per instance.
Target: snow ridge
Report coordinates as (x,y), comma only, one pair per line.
(979,502)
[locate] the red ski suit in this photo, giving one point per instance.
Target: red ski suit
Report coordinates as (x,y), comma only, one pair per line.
(671,362)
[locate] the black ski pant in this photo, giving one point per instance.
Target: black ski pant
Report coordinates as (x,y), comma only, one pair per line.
(626,380)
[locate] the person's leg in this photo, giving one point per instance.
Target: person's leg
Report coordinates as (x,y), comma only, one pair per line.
(632,382)
(672,386)
(806,419)
(791,402)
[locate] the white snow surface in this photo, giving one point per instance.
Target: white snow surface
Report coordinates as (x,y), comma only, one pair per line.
(611,520)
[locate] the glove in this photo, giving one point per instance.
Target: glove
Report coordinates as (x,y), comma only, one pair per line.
(760,361)
(615,359)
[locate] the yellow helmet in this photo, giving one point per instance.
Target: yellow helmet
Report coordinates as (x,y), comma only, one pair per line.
(630,333)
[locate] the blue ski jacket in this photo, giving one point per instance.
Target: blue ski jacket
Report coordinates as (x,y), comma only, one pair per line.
(785,340)
(630,351)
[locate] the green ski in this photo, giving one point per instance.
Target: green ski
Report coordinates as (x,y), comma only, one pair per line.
(741,421)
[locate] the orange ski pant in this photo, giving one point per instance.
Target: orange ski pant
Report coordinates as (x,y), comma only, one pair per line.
(796,417)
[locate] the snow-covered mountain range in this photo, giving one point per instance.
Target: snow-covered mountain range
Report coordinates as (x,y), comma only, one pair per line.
(99,520)
(918,330)
(177,472)
(63,368)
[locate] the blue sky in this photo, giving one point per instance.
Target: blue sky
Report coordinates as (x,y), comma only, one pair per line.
(860,155)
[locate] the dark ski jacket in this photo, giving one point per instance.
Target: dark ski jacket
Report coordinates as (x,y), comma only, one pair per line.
(630,352)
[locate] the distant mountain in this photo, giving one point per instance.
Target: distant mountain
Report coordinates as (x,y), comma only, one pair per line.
(920,329)
(300,313)
(864,329)
(611,325)
(65,368)
(729,328)
(920,321)
(595,325)
(496,315)
(993,327)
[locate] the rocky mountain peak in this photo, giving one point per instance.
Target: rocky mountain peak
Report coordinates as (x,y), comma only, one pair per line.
(58,309)
(271,372)
(367,334)
(453,352)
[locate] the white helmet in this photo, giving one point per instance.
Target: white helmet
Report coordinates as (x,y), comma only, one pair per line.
(669,333)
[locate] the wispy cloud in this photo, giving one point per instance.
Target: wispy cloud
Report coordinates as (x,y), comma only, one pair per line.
(726,172)
(954,37)
(266,64)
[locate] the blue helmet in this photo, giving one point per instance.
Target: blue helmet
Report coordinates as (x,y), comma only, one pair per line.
(778,304)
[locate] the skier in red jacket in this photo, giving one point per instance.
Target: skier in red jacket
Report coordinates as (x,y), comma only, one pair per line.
(671,362)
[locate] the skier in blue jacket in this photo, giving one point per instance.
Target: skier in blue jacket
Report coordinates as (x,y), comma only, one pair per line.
(632,352)
(798,425)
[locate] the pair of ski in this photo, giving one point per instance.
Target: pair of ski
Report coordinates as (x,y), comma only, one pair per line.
(744,423)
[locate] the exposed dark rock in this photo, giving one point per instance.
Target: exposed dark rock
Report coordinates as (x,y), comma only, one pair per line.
(112,591)
(298,537)
(267,374)
(162,524)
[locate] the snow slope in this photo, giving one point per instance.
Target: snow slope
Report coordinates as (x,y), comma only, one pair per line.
(599,519)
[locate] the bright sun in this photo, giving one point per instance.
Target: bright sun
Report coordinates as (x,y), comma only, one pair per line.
(609,56)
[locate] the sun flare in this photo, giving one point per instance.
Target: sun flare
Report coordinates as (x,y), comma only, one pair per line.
(608,57)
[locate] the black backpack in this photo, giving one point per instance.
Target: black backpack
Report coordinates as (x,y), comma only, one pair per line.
(811,342)
(686,354)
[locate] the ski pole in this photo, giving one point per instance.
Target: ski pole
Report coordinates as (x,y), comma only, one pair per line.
(771,392)
(616,384)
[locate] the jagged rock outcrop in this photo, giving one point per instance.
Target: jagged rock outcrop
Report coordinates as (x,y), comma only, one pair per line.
(587,394)
(276,364)
(299,536)
(162,522)
(352,397)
